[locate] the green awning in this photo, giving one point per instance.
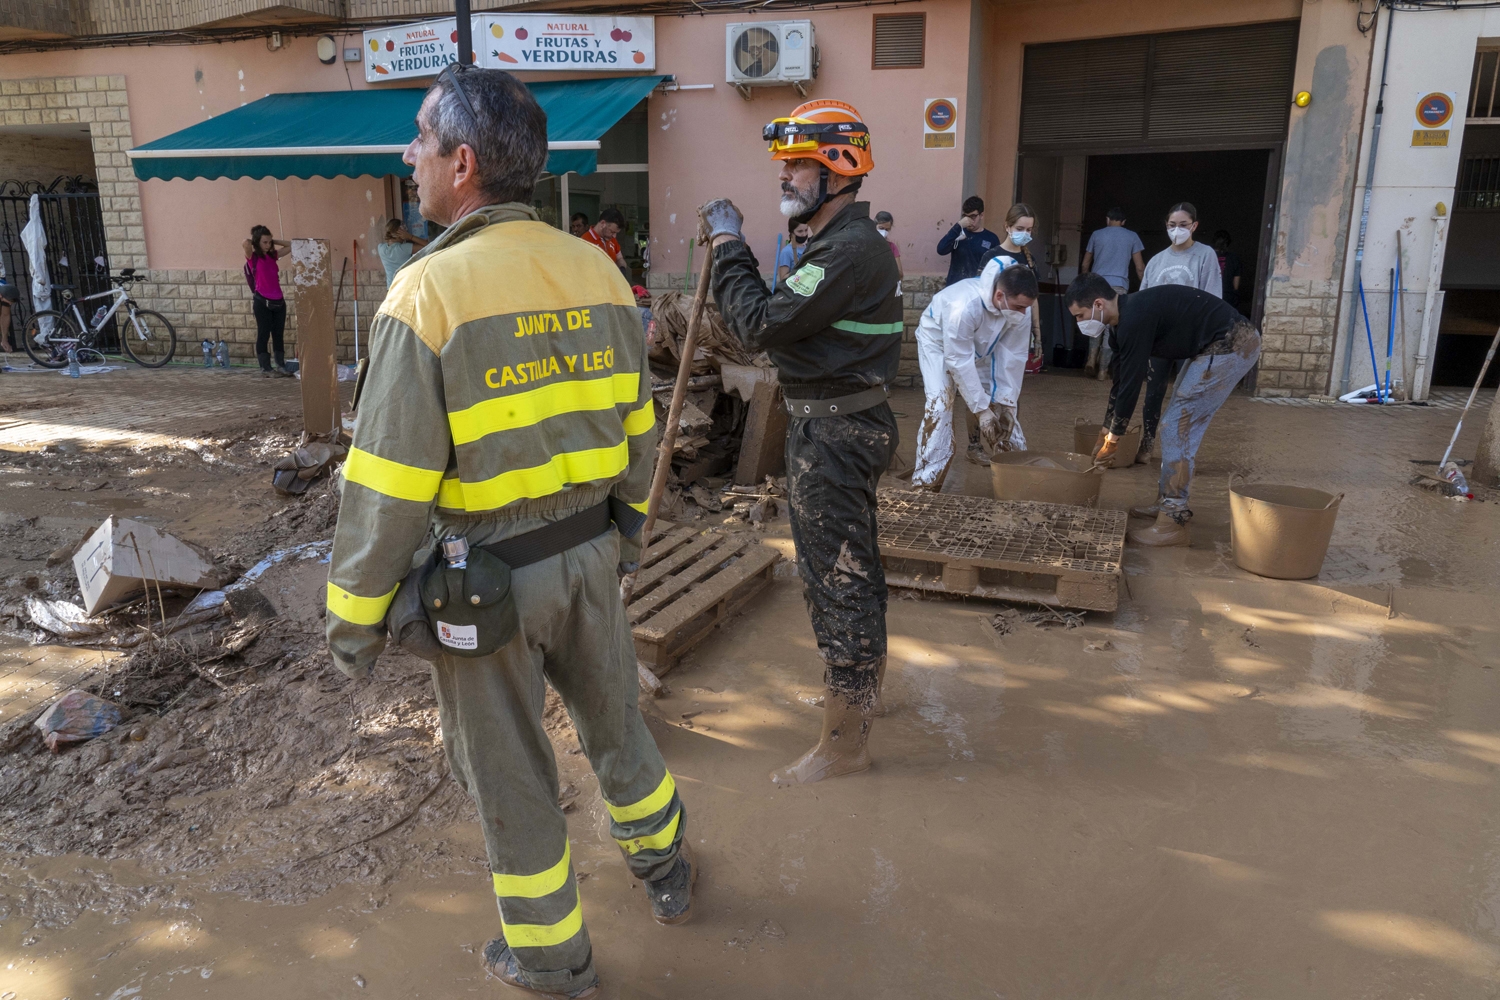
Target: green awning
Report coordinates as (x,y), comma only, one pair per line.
(353,133)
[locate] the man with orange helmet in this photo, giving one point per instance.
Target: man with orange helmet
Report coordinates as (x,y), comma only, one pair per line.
(833,330)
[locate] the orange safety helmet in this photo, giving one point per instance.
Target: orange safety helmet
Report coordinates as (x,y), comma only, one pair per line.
(829,132)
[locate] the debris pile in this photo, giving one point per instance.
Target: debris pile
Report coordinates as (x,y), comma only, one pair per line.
(732,422)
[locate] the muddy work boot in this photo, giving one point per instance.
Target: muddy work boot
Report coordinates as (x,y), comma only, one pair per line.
(500,962)
(841,748)
(671,895)
(1146,510)
(1167,530)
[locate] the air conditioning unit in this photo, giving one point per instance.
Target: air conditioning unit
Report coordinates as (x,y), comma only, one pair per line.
(770,53)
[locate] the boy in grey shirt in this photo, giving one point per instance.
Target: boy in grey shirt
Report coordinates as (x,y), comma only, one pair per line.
(1109,254)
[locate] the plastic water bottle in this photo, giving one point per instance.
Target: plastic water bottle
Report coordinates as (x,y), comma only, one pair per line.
(73,370)
(223,352)
(208,354)
(1451,473)
(99,315)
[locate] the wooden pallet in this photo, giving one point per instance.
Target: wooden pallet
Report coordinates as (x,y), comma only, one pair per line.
(690,580)
(1044,553)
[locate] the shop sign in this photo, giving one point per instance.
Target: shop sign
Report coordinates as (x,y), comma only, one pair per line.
(1433,113)
(513,41)
(939,123)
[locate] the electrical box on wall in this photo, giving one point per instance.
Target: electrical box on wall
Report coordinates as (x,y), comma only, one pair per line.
(770,53)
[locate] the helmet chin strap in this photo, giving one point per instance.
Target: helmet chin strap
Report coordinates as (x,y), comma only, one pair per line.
(823,195)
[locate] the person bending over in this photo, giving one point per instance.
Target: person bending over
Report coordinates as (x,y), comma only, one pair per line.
(1173,322)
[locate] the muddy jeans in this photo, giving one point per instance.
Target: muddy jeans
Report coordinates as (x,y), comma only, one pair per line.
(833,467)
(1204,385)
(573,634)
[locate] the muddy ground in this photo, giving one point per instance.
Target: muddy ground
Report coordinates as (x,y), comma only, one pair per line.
(1230,787)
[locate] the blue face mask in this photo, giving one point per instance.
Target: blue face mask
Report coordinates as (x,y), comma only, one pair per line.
(1020,237)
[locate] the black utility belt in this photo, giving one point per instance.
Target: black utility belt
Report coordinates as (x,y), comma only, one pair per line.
(470,610)
(839,406)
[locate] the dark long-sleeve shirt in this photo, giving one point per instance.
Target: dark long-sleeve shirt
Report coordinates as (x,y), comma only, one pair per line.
(834,325)
(965,254)
(1169,321)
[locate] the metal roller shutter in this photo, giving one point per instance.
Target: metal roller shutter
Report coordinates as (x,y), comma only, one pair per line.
(1211,87)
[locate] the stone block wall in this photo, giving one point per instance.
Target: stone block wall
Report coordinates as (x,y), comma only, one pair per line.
(100,103)
(1298,333)
(216,304)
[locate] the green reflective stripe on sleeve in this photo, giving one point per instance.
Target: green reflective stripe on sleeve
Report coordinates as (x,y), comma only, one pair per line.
(656,841)
(874,329)
(653,803)
(544,935)
(358,610)
(535,886)
(404,482)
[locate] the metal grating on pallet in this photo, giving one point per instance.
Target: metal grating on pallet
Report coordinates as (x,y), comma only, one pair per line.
(1051,537)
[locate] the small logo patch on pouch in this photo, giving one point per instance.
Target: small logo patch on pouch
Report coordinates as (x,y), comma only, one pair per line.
(458,636)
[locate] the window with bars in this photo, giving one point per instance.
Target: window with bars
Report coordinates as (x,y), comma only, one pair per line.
(1484,95)
(1478,182)
(900,41)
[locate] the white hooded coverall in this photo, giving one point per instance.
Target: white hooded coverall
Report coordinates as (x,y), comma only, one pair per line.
(968,345)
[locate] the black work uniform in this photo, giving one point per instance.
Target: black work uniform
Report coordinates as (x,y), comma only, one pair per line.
(833,330)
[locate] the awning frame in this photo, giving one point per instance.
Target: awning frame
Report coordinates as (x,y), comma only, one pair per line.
(147,154)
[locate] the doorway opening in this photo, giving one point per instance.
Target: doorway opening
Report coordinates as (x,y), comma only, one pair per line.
(1471,286)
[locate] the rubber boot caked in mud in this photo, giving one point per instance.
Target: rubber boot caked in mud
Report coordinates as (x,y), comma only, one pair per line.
(840,750)
(501,963)
(1166,531)
(1146,510)
(671,895)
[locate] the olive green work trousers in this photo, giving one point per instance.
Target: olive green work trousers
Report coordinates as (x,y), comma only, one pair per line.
(574,633)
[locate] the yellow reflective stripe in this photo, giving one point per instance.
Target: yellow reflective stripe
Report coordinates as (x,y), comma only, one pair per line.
(404,482)
(538,885)
(655,842)
(540,480)
(544,935)
(641,506)
(652,803)
(641,420)
(525,409)
(451,494)
(358,610)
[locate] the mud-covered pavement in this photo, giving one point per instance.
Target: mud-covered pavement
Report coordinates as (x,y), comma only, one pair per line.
(1231,787)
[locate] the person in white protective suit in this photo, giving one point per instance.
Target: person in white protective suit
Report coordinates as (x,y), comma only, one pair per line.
(972,341)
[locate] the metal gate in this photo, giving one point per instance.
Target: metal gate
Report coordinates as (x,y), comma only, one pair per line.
(77,259)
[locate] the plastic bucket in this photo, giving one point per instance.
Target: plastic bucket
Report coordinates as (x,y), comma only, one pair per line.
(1085,435)
(1281,531)
(1047,477)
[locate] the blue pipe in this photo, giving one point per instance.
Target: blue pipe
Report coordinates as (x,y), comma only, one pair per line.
(1370,339)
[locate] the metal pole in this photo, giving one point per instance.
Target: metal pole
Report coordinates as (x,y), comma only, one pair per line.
(1364,215)
(356,303)
(562,187)
(465,33)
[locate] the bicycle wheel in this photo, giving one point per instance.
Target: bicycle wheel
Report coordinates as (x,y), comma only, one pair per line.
(48,336)
(148,338)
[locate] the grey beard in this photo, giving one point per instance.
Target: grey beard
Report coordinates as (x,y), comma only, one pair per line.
(796,203)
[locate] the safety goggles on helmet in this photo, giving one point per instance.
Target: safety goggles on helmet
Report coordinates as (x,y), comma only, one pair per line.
(798,135)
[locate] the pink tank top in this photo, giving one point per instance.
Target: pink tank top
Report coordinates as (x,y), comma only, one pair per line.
(267,277)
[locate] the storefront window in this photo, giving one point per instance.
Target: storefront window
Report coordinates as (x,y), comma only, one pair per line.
(621,182)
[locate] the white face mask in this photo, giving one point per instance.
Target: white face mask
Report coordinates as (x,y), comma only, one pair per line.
(885,234)
(1178,236)
(1091,327)
(1020,237)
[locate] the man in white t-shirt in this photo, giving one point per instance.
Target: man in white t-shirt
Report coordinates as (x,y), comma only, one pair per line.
(1110,253)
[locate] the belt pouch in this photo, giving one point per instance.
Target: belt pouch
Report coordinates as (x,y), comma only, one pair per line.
(472,610)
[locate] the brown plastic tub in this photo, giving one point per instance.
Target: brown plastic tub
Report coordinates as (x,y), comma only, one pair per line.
(1281,531)
(1046,476)
(1086,434)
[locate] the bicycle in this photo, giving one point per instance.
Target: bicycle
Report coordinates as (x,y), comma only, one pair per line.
(51,334)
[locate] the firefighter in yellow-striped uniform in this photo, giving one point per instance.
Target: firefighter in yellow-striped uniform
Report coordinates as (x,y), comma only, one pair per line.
(507,410)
